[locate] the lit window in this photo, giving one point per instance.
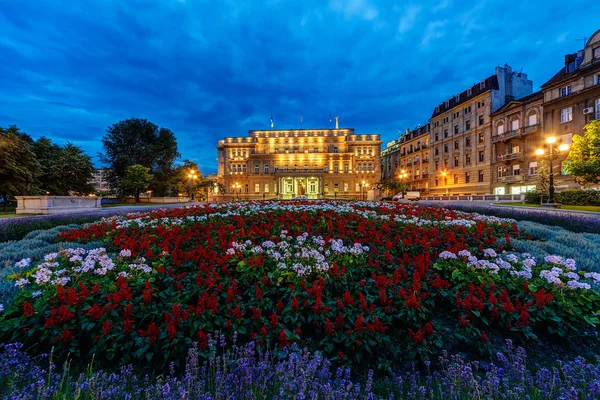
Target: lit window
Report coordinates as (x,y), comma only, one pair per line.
(256,187)
(500,129)
(266,188)
(566,114)
(514,125)
(345,187)
(533,167)
(565,91)
(532,120)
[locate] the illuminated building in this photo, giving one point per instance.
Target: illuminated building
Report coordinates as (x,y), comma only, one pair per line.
(283,164)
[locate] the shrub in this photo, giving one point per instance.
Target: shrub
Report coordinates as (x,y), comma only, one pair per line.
(34,246)
(533,197)
(579,197)
(574,222)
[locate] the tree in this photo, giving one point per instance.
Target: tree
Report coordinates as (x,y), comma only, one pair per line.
(139,141)
(136,179)
(583,161)
(65,170)
(18,166)
(543,177)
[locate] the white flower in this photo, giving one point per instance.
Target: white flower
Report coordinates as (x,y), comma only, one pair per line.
(446,255)
(1,307)
(21,282)
(489,253)
(578,285)
(23,263)
(464,253)
(37,293)
(125,253)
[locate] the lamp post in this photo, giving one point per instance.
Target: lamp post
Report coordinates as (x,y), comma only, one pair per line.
(444,173)
(550,155)
(192,176)
(238,187)
(402,177)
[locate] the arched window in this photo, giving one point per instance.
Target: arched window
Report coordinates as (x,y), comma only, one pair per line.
(532,119)
(500,129)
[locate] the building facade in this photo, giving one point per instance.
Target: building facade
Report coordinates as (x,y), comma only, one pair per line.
(283,164)
(460,133)
(517,132)
(571,100)
(410,156)
(99,181)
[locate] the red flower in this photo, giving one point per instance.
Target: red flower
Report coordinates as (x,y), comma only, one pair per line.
(274,320)
(329,329)
(106,328)
(28,309)
(283,339)
(295,306)
(95,312)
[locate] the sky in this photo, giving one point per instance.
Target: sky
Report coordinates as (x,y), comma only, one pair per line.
(213,69)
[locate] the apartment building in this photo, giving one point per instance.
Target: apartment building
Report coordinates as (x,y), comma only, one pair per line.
(517,132)
(460,133)
(571,100)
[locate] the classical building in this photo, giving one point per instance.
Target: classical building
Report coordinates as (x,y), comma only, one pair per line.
(571,100)
(408,154)
(460,159)
(283,164)
(99,181)
(516,133)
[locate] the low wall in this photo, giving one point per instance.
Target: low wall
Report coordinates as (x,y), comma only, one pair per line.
(482,197)
(56,204)
(160,200)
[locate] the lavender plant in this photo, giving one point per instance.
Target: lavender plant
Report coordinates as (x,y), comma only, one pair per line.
(233,372)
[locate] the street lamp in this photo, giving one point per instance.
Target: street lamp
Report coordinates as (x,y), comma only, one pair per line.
(550,155)
(238,187)
(444,173)
(192,176)
(402,177)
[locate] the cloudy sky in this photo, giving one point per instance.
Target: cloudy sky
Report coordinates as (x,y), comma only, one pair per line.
(210,69)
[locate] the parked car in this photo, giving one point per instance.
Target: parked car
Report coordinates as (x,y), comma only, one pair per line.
(411,196)
(386,198)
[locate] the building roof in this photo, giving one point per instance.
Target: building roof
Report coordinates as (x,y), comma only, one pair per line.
(491,83)
(418,131)
(523,100)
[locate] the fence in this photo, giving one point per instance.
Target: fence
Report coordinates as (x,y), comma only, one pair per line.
(481,197)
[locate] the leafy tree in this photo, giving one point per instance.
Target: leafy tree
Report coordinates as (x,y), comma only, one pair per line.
(136,179)
(392,186)
(139,141)
(18,166)
(64,169)
(583,161)
(543,177)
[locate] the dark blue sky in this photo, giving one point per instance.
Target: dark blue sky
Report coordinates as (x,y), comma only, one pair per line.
(209,69)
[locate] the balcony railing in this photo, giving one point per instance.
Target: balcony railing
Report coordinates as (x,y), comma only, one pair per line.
(417,162)
(425,160)
(510,156)
(511,178)
(531,129)
(425,175)
(300,170)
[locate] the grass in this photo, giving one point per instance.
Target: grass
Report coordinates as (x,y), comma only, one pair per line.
(564,206)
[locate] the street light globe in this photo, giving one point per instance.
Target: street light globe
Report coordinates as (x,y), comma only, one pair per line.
(443,173)
(402,171)
(551,140)
(539,152)
(563,147)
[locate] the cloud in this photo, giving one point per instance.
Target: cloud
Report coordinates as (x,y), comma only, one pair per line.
(408,18)
(434,30)
(210,70)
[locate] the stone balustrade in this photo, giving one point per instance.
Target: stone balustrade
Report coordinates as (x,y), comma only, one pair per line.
(56,204)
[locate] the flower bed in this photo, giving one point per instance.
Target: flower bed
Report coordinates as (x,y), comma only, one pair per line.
(368,283)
